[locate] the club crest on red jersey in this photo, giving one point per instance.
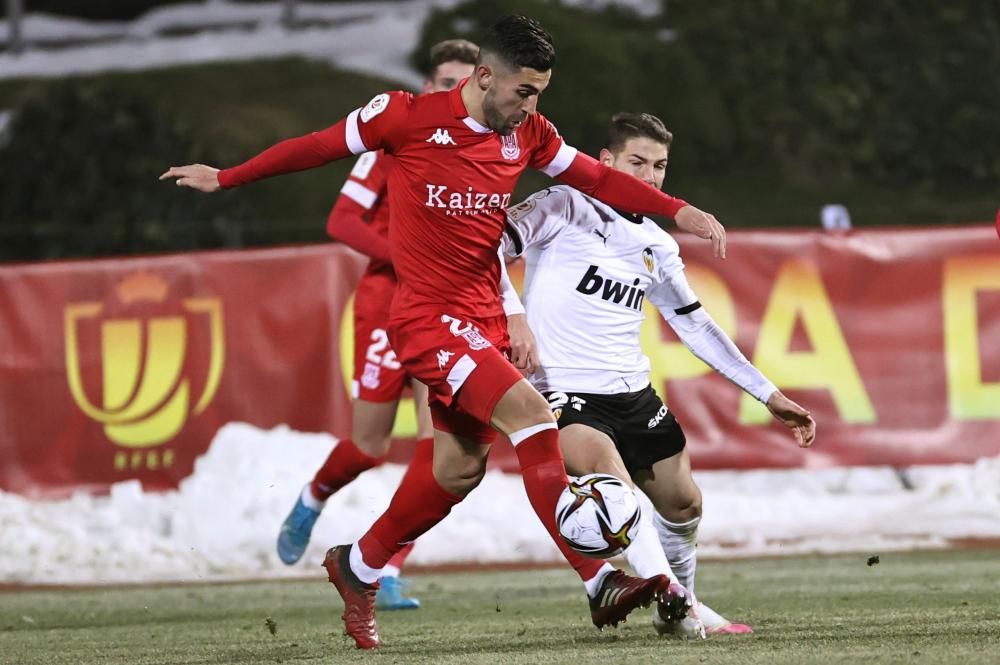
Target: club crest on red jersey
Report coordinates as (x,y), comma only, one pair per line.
(509,147)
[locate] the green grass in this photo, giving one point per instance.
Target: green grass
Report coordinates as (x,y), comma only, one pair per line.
(911,608)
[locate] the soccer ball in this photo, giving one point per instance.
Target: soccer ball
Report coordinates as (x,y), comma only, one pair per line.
(598,515)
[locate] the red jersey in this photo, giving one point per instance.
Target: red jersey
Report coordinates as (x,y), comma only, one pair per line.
(448,193)
(449,187)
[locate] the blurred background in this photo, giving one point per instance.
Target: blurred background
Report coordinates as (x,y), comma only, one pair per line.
(778,108)
(154,398)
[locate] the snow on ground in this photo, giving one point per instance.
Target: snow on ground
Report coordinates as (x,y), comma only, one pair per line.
(222,522)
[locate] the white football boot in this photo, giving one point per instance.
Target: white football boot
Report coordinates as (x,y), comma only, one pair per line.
(699,624)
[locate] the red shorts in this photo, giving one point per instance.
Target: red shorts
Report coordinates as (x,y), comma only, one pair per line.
(378,375)
(463,362)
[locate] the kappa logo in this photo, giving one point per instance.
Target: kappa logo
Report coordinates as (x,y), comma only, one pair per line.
(378,104)
(468,332)
(509,148)
(441,137)
(443,358)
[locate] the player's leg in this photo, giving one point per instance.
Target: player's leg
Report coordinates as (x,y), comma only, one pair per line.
(365,449)
(587,449)
(392,588)
(661,468)
(677,499)
(377,387)
(420,502)
(525,417)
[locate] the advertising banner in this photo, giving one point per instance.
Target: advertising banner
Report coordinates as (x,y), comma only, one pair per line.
(126,368)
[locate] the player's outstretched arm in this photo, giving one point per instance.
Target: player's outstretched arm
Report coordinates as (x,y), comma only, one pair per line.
(794,417)
(625,191)
(362,130)
(289,156)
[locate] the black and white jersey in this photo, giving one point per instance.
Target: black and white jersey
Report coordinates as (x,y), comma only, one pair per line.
(589,270)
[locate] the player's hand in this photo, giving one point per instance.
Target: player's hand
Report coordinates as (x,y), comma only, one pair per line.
(196,176)
(703,225)
(523,351)
(794,417)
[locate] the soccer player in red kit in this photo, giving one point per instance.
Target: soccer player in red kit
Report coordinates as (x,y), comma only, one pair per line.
(458,156)
(360,219)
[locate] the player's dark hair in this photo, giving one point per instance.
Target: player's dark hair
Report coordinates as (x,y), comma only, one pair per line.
(625,126)
(520,41)
(452,50)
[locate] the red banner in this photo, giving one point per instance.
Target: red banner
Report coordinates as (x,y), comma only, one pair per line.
(890,337)
(126,368)
(120,369)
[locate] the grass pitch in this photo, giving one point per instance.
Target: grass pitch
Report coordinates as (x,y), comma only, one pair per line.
(910,608)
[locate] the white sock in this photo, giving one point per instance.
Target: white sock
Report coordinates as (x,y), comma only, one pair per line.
(593,585)
(680,544)
(310,501)
(645,554)
(364,572)
(390,571)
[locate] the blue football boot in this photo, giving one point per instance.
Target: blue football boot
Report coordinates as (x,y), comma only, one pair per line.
(295,532)
(390,595)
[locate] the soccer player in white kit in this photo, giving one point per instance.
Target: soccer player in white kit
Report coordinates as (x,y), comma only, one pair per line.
(589,269)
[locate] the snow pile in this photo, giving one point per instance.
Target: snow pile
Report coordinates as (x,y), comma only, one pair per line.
(223,520)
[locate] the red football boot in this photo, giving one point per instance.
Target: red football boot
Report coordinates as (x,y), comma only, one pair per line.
(359,598)
(620,594)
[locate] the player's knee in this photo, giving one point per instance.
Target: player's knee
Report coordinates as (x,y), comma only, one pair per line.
(686,508)
(535,409)
(521,408)
(373,445)
(461,479)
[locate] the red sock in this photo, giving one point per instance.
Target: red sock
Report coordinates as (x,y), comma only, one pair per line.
(399,558)
(345,463)
(544,480)
(418,504)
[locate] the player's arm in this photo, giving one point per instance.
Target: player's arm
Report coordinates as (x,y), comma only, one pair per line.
(621,190)
(364,129)
(523,349)
(707,341)
(364,187)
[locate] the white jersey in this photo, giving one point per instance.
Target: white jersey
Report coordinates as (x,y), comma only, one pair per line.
(588,272)
(589,269)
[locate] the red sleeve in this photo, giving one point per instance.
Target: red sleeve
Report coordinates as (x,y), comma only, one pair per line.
(363,190)
(616,188)
(376,125)
(346,223)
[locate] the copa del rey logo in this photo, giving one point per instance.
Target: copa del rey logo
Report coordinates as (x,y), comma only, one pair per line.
(469,202)
(126,360)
